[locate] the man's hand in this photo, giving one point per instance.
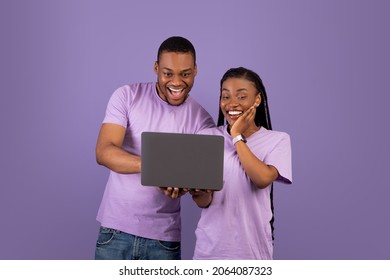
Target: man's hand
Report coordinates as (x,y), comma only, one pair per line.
(174,192)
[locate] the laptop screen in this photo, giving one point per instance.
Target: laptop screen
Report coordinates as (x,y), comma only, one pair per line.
(182,160)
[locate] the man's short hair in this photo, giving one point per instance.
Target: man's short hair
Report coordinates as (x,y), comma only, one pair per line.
(176,44)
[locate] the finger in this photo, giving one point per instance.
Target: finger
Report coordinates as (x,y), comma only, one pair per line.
(250,113)
(175,193)
(169,190)
(183,192)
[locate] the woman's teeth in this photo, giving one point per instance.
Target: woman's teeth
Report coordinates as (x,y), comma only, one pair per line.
(234,113)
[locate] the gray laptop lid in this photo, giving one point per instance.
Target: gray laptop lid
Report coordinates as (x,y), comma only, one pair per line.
(182,160)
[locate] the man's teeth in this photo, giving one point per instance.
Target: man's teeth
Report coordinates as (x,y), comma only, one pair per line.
(175,91)
(234,113)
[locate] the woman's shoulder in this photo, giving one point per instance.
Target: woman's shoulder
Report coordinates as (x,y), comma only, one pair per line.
(273,133)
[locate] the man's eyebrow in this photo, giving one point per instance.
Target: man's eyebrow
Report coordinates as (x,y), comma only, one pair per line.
(166,68)
(185,70)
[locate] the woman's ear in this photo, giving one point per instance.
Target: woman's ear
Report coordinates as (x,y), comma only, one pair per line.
(258,100)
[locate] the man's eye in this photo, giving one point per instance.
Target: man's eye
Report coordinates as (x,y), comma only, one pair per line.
(168,74)
(185,75)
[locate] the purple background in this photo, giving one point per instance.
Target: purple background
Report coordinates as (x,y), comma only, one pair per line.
(326,67)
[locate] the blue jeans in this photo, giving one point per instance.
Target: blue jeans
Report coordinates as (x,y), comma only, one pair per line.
(113,244)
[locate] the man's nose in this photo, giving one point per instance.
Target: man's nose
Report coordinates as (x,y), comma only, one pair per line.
(176,80)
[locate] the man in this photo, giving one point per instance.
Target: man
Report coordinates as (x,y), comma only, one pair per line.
(140,222)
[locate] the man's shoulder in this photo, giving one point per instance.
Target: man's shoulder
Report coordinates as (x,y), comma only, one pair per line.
(136,87)
(128,91)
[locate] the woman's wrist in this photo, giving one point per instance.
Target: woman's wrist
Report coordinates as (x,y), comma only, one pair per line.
(234,133)
(238,138)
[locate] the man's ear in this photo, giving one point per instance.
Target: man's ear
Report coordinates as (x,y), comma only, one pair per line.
(155,67)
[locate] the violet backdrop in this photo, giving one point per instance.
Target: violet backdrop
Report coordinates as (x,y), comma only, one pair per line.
(325,65)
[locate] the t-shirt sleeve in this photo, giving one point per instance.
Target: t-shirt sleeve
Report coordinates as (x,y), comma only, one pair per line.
(280,158)
(205,121)
(208,122)
(117,109)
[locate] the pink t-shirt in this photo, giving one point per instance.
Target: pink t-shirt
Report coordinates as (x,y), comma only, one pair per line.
(236,225)
(127,205)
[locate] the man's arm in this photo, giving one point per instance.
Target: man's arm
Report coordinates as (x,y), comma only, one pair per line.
(110,154)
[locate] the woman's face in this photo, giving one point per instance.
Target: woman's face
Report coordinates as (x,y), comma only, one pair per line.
(237,96)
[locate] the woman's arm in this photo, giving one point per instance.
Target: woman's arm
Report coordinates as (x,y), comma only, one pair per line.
(261,174)
(202,198)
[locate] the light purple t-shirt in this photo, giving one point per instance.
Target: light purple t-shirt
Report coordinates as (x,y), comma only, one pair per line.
(127,205)
(236,225)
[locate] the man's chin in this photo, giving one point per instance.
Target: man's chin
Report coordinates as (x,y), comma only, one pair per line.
(177,101)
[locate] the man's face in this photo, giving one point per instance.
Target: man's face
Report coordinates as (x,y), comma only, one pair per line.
(175,76)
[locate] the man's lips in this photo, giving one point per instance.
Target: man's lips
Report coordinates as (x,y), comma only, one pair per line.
(176,92)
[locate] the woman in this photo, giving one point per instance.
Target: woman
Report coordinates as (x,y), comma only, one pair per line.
(236,222)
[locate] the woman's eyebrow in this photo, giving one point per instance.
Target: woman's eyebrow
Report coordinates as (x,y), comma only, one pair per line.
(238,90)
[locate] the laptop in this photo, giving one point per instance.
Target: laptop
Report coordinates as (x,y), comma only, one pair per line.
(182,160)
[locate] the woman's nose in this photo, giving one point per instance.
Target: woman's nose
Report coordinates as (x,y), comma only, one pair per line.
(233,102)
